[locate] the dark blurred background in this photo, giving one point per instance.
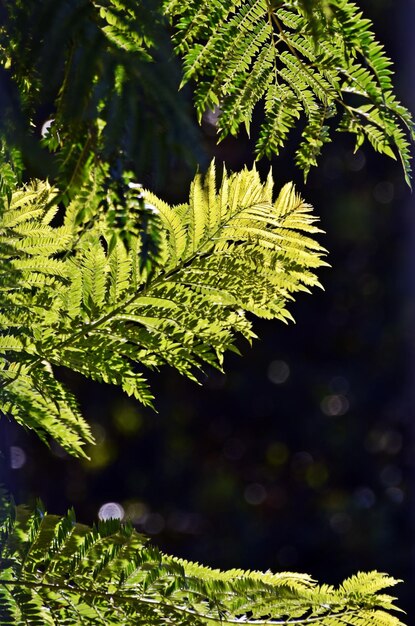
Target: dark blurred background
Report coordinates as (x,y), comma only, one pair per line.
(300,457)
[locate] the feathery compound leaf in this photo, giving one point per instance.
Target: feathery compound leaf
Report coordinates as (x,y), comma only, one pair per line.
(125,26)
(57,571)
(38,401)
(301,59)
(141,285)
(105,69)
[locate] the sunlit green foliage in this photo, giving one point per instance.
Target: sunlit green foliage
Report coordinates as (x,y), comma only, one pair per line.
(104,278)
(103,295)
(55,571)
(303,61)
(104,71)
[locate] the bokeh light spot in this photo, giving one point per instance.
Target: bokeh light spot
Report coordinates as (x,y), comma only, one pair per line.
(355,161)
(99,433)
(111,510)
(389,441)
(154,523)
(255,494)
(277,453)
(391,476)
(334,405)
(364,498)
(102,453)
(278,372)
(395,494)
(301,460)
(384,192)
(135,511)
(127,418)
(316,475)
(17,457)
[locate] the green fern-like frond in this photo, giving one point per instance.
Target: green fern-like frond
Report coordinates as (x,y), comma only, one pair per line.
(87,64)
(126,25)
(140,285)
(56,571)
(308,60)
